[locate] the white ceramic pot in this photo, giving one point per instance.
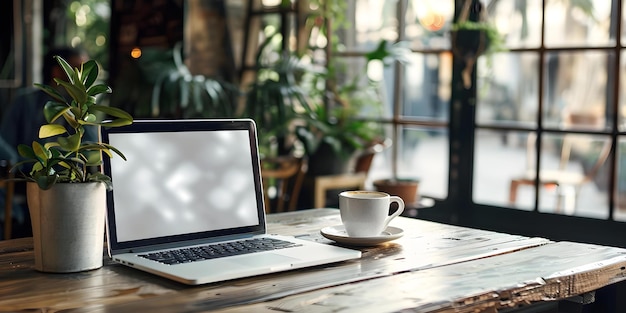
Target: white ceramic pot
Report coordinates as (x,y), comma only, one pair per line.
(68,226)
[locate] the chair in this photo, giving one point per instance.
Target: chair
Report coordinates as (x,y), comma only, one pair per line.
(8,184)
(282,182)
(339,181)
(567,183)
(356,180)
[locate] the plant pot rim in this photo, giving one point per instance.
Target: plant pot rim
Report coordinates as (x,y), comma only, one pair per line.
(397,181)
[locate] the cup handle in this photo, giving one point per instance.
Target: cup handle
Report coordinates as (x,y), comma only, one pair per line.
(398,211)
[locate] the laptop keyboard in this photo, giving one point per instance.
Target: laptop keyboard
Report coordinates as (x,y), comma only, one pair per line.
(220,250)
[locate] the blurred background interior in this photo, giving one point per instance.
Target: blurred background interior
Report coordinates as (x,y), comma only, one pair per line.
(381,85)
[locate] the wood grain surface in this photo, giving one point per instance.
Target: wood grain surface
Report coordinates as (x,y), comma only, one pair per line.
(432,268)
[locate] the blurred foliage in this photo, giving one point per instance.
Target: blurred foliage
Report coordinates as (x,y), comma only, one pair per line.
(159,84)
(84,23)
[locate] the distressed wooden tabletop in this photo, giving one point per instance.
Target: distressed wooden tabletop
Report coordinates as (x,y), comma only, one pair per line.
(432,268)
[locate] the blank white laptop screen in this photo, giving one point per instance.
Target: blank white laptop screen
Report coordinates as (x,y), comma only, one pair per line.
(157,194)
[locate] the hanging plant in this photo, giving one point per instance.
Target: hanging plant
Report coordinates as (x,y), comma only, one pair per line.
(472,39)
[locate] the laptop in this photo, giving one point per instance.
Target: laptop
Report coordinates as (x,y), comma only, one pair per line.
(190,191)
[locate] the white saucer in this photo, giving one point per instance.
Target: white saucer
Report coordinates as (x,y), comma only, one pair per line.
(338,234)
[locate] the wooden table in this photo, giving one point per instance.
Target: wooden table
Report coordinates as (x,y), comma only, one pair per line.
(432,268)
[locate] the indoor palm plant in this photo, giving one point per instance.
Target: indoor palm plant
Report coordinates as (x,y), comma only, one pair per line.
(66,196)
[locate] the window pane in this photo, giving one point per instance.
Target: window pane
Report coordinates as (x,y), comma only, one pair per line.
(258,4)
(518,21)
(574,172)
(620,182)
(292,39)
(422,153)
(622,94)
(426,86)
(508,88)
(576,89)
(573,185)
(623,22)
(500,156)
(575,23)
(372,99)
(369,22)
(428,23)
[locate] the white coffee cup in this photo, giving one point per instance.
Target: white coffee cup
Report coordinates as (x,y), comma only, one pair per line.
(366,213)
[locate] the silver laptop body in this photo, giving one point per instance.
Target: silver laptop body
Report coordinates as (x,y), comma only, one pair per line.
(189,183)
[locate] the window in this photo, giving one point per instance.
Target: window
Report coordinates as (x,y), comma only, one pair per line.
(415,95)
(551,104)
(555,87)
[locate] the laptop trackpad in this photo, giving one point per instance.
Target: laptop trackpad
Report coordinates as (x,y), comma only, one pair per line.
(270,260)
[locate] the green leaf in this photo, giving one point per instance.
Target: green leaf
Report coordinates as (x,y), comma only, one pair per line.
(53,110)
(98,89)
(90,72)
(37,167)
(71,162)
(75,91)
(307,138)
(42,153)
(94,159)
(91,118)
(70,143)
(49,130)
(112,148)
(46,181)
(67,68)
(380,53)
(51,92)
(71,120)
(116,123)
(51,144)
(26,151)
(75,110)
(91,100)
(334,143)
(123,117)
(99,177)
(104,147)
(113,111)
(55,153)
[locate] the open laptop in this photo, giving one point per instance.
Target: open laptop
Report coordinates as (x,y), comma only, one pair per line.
(195,186)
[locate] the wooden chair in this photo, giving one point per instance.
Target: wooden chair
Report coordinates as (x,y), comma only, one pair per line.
(566,182)
(339,181)
(6,182)
(354,180)
(282,182)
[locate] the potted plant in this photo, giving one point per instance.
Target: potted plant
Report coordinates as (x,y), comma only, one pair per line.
(276,99)
(332,138)
(336,132)
(405,188)
(66,197)
(473,35)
